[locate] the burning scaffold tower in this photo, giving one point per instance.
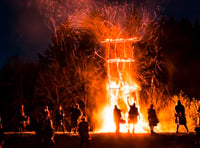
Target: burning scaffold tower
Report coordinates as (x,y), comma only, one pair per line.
(121,86)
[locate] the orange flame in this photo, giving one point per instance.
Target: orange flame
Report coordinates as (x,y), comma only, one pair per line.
(133,39)
(121,88)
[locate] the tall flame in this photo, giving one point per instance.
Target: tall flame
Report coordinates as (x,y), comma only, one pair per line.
(121,87)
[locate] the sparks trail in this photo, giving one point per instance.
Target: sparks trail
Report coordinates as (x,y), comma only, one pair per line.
(111,54)
(118,28)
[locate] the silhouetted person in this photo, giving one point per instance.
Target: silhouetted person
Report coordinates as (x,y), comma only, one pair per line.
(180,116)
(48,131)
(39,128)
(75,114)
(46,110)
(197,129)
(132,116)
(1,133)
(198,112)
(60,119)
(83,130)
(22,119)
(152,118)
(117,118)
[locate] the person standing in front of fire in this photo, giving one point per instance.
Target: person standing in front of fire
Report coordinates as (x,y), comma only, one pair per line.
(75,114)
(198,113)
(117,118)
(152,118)
(132,115)
(83,130)
(180,116)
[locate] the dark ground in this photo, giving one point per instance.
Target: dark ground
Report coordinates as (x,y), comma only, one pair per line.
(109,140)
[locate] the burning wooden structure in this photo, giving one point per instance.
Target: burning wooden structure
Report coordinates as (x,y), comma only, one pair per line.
(121,87)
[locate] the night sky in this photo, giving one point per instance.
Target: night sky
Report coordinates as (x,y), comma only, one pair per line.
(184,8)
(24,33)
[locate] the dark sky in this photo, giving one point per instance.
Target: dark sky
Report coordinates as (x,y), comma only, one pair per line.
(184,8)
(23,31)
(22,28)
